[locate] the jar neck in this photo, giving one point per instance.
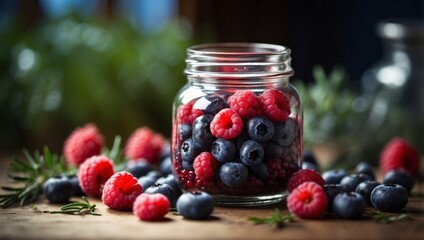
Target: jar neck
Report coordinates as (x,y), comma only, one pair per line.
(238,64)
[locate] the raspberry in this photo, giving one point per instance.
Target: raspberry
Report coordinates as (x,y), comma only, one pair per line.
(204,165)
(151,207)
(120,191)
(399,153)
(245,103)
(93,173)
(275,105)
(226,124)
(305,175)
(144,143)
(187,179)
(83,143)
(186,113)
(308,200)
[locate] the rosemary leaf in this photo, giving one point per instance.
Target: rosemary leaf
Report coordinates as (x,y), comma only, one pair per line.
(276,219)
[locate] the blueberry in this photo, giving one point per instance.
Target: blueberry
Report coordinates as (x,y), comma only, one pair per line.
(350,205)
(58,189)
(224,150)
(285,132)
(233,174)
(332,190)
(400,177)
(260,171)
(187,165)
(139,168)
(334,176)
(309,165)
(154,174)
(185,130)
(197,205)
(365,189)
(352,181)
(308,156)
(365,168)
(189,151)
(172,181)
(251,153)
(166,190)
(201,134)
(389,197)
(210,104)
(243,137)
(260,129)
(76,188)
(165,166)
(146,182)
(274,150)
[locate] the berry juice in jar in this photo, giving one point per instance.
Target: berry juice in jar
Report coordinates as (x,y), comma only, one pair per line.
(237,123)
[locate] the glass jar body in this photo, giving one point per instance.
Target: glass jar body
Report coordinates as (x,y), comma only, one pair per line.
(237,132)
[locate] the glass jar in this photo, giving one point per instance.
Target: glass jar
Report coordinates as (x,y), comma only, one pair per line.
(237,123)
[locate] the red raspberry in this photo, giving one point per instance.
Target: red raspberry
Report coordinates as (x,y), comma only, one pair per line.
(83,143)
(186,113)
(275,105)
(226,124)
(144,143)
(151,207)
(399,153)
(93,174)
(245,103)
(204,165)
(305,175)
(308,200)
(187,178)
(120,191)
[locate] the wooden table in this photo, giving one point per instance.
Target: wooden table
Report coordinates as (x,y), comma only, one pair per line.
(225,223)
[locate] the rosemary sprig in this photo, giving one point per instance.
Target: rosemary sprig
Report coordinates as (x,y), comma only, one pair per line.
(29,174)
(389,218)
(277,219)
(75,208)
(116,154)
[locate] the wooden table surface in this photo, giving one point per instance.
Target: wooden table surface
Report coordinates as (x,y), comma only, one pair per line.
(225,223)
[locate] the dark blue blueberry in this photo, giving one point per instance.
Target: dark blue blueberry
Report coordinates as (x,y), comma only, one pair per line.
(201,134)
(223,150)
(188,150)
(365,189)
(76,188)
(350,205)
(260,129)
(308,156)
(334,176)
(185,130)
(187,165)
(165,166)
(309,165)
(260,171)
(365,168)
(58,189)
(274,150)
(154,174)
(233,174)
(332,190)
(166,190)
(146,182)
(139,168)
(400,177)
(251,153)
(243,137)
(285,132)
(389,197)
(196,205)
(210,104)
(352,181)
(172,181)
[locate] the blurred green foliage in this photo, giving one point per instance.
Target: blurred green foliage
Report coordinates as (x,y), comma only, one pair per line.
(63,73)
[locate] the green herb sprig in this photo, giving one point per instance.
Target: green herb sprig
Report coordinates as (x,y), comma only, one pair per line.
(277,219)
(29,174)
(389,218)
(75,208)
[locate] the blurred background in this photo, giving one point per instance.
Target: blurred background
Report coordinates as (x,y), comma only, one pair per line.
(119,64)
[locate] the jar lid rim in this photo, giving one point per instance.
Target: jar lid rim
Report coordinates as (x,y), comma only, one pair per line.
(238,48)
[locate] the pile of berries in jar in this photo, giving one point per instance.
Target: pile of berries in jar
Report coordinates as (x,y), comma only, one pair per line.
(242,143)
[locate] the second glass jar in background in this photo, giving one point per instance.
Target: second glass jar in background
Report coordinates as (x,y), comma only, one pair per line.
(237,123)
